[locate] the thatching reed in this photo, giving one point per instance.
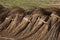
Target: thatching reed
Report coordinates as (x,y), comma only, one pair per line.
(31,24)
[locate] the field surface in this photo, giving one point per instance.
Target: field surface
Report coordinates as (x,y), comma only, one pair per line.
(28,3)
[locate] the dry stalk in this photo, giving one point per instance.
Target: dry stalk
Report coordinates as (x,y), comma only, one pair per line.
(52,30)
(21,26)
(30,25)
(5,23)
(35,28)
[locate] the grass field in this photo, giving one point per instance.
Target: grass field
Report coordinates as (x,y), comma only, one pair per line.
(27,3)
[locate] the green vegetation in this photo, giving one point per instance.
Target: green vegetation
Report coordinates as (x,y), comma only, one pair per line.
(25,3)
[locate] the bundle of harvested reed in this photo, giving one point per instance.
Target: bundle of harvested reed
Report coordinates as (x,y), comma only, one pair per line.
(31,24)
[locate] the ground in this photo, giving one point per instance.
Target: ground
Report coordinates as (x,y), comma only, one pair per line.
(28,3)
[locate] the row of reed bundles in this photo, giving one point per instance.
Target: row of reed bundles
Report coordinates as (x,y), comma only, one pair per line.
(35,23)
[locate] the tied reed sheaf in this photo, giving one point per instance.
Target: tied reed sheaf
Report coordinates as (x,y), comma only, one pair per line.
(29,24)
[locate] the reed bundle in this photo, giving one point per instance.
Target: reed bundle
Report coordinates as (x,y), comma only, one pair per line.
(31,24)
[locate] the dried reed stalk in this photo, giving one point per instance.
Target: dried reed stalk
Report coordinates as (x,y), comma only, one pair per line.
(13,24)
(5,23)
(54,28)
(35,28)
(40,33)
(21,26)
(30,25)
